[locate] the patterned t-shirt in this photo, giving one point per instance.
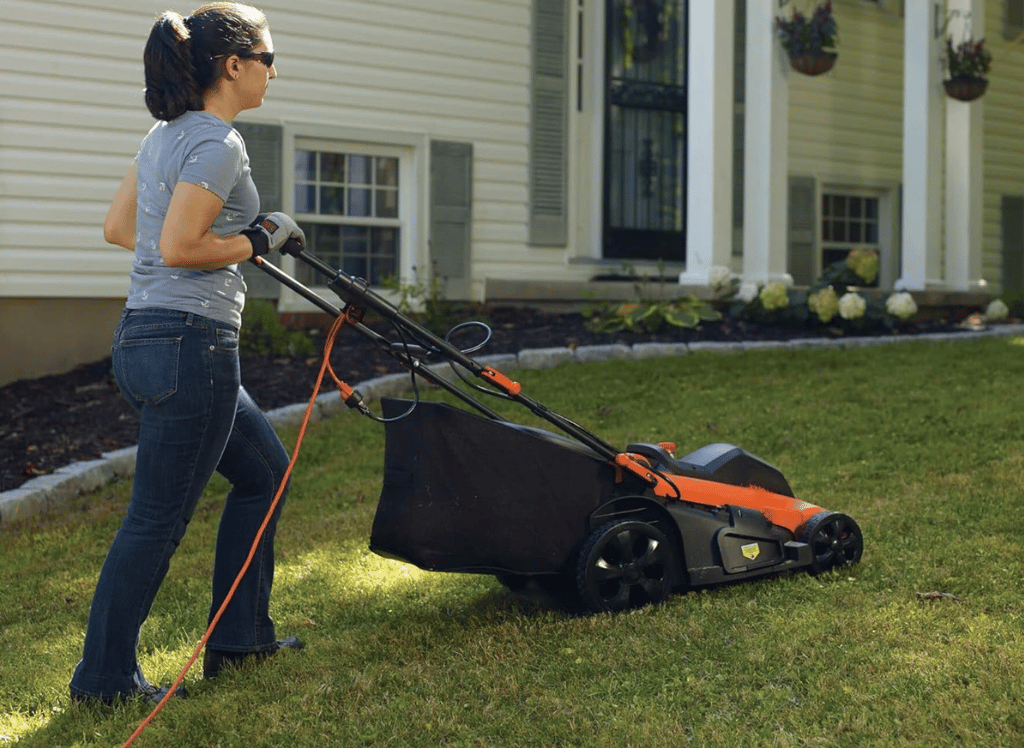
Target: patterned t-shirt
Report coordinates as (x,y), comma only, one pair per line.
(201,149)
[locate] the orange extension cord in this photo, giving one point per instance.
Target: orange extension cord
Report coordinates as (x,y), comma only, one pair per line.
(339,322)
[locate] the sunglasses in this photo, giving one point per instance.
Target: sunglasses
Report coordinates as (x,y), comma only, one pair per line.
(267,58)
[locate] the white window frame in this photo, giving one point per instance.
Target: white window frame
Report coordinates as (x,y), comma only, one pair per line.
(412,151)
(888,228)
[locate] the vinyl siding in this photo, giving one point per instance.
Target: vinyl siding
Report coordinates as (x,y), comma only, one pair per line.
(849,122)
(455,70)
(70,123)
(73,114)
(1004,135)
(847,125)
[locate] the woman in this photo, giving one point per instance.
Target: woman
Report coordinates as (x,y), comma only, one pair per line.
(187,208)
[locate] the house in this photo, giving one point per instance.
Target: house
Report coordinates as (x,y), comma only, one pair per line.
(519,149)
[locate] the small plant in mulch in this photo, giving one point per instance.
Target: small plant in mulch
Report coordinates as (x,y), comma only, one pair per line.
(423,299)
(649,315)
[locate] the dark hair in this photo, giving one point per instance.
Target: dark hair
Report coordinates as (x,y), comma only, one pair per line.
(185,55)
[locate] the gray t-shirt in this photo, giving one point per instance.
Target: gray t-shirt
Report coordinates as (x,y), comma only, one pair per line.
(201,149)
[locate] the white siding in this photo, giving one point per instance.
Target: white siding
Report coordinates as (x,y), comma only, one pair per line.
(71,116)
(70,122)
(72,113)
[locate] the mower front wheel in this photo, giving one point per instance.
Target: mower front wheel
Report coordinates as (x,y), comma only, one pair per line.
(835,541)
(625,564)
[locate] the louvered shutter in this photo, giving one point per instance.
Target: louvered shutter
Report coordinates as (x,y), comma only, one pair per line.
(263,144)
(802,230)
(739,124)
(451,216)
(549,122)
(1013,19)
(1013,243)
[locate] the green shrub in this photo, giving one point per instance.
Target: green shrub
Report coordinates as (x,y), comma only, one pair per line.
(263,334)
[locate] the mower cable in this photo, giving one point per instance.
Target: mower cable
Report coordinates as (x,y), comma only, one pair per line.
(324,367)
(489,333)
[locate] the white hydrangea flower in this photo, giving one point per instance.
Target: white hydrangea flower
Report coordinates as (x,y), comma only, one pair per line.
(718,276)
(747,292)
(852,306)
(901,305)
(997,310)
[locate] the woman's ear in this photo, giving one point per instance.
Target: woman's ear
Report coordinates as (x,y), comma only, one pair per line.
(233,67)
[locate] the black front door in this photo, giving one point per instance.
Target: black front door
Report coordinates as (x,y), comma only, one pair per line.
(645,131)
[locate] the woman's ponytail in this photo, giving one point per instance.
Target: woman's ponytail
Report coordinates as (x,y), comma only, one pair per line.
(171,85)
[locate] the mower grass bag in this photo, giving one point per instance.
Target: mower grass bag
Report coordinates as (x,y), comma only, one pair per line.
(466,493)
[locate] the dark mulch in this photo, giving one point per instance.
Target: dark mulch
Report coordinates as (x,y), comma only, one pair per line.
(53,421)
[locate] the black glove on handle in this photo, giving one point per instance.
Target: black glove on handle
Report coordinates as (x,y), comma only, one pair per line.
(292,247)
(269,232)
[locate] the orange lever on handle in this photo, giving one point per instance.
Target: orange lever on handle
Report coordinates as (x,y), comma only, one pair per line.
(509,386)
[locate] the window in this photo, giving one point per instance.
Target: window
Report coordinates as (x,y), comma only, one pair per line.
(848,221)
(348,205)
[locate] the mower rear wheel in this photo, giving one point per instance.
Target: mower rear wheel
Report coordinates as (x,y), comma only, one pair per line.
(835,541)
(625,564)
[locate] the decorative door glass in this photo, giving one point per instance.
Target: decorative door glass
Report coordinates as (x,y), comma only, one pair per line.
(645,133)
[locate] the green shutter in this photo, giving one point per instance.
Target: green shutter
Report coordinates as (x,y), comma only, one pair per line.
(1013,19)
(451,216)
(739,126)
(549,122)
(263,144)
(1013,243)
(802,234)
(739,122)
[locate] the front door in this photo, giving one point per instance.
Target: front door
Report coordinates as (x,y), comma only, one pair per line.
(645,131)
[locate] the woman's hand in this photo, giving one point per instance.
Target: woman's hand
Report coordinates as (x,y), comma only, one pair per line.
(269,233)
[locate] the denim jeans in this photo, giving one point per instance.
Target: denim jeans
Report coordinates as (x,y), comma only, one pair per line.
(180,372)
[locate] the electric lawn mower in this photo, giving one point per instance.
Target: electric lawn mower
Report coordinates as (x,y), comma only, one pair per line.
(465,490)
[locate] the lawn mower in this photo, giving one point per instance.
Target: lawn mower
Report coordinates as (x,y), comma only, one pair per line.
(466,490)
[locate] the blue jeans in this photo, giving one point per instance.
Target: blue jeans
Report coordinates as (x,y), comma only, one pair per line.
(180,371)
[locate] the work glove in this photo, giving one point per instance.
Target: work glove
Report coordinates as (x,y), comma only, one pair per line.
(269,232)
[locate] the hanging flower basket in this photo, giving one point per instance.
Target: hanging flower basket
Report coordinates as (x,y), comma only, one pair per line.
(808,40)
(813,63)
(965,87)
(967,63)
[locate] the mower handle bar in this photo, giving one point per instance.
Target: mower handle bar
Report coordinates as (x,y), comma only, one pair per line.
(356,292)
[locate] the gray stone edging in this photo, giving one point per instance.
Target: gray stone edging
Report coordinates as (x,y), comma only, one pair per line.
(45,492)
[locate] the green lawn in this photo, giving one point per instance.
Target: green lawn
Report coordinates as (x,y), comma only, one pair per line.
(920,442)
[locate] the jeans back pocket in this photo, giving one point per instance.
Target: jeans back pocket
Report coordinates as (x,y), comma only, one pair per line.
(146,367)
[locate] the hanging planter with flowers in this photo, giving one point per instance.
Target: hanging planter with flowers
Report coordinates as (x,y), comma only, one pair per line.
(968,63)
(809,41)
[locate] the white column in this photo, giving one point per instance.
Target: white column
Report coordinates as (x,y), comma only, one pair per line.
(922,144)
(964,156)
(766,148)
(709,140)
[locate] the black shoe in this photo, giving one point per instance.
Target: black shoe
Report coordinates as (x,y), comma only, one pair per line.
(149,694)
(215,660)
